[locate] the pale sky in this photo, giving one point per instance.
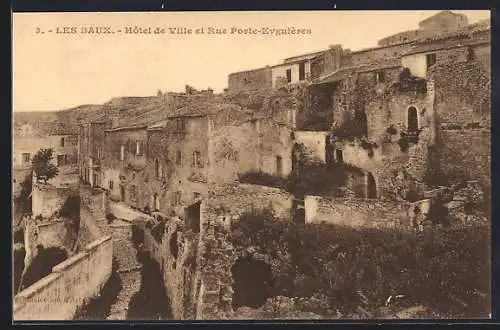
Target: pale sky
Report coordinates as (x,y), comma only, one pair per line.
(56,71)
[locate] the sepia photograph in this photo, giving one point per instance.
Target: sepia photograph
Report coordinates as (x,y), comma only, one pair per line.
(279,165)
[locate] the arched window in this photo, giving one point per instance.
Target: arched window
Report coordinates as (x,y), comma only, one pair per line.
(412,120)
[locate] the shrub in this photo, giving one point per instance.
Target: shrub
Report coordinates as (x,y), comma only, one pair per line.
(438,270)
(391,130)
(42,165)
(71,208)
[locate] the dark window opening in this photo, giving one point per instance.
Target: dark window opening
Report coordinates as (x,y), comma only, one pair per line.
(157,168)
(412,120)
(279,165)
(122,193)
(302,71)
(61,160)
(193,216)
(253,282)
(26,158)
(371,186)
(196,195)
(339,156)
(178,158)
(430,59)
(180,125)
(111,183)
(177,198)
(471,54)
(174,249)
(289,75)
(379,77)
(62,142)
(197,160)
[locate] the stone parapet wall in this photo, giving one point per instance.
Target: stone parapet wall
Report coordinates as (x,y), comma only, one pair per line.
(356,212)
(58,295)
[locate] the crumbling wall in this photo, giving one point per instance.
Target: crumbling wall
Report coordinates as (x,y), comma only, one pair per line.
(356,212)
(250,80)
(235,150)
(463,93)
(314,142)
(47,199)
(217,255)
(466,155)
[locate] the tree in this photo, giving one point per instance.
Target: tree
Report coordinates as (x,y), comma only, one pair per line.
(42,165)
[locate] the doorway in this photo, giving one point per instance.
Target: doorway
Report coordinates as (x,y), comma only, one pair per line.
(371,186)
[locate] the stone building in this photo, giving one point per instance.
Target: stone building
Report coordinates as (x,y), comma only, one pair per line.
(91,152)
(27,141)
(168,165)
(398,111)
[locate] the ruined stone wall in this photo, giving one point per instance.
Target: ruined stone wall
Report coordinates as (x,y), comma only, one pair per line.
(275,141)
(72,282)
(392,109)
(417,63)
(235,150)
(47,199)
(314,142)
(466,155)
(356,212)
(93,210)
(376,54)
(254,79)
(463,93)
(217,255)
(398,38)
(54,234)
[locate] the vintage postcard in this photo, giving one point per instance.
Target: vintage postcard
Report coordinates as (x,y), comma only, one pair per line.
(307,165)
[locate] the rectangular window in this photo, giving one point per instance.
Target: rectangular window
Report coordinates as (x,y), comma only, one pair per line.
(111,183)
(180,125)
(379,77)
(197,160)
(279,165)
(177,198)
(99,153)
(178,158)
(62,142)
(289,75)
(61,160)
(302,71)
(122,153)
(138,148)
(26,158)
(196,195)
(430,59)
(339,156)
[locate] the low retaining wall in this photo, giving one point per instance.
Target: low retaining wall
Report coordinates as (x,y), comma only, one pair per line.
(71,283)
(357,212)
(126,213)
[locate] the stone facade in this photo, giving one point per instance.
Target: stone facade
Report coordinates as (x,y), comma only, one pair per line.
(254,79)
(357,212)
(47,199)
